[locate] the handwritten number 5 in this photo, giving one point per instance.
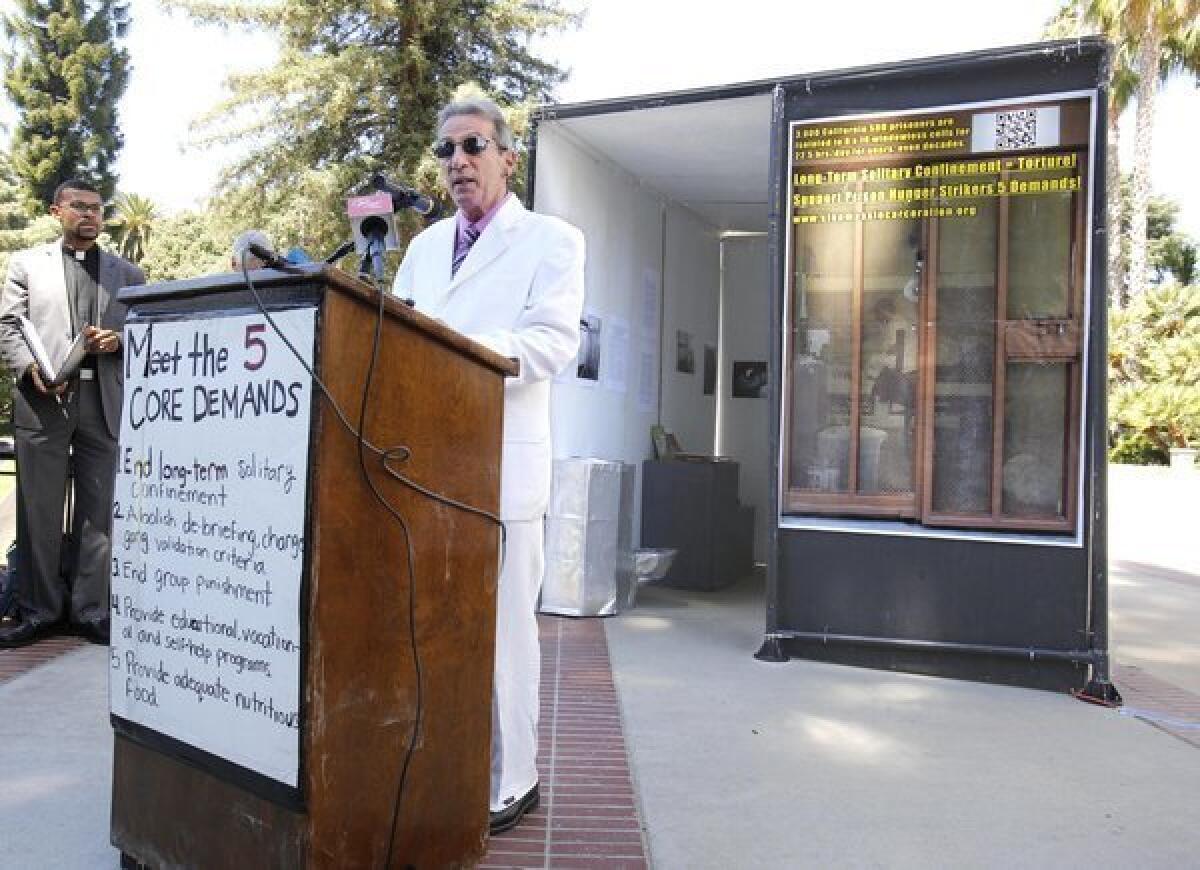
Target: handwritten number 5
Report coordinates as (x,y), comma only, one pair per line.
(253,341)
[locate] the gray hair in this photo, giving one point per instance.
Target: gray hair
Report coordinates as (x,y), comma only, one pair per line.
(242,243)
(483,108)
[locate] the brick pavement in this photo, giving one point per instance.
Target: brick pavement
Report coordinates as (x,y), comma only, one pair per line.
(14,662)
(588,816)
(1158,703)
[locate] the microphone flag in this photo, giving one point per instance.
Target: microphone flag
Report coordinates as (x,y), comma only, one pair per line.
(372,218)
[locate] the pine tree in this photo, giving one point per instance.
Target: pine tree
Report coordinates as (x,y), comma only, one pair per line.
(17,229)
(356,89)
(66,73)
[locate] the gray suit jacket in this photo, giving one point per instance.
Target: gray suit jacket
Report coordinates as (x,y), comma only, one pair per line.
(36,288)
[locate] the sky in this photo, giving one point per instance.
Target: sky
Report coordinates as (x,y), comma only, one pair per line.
(179,69)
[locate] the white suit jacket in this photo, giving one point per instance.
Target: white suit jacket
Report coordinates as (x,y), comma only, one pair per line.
(519,292)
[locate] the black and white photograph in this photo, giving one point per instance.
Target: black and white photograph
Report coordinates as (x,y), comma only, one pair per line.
(710,369)
(590,327)
(750,379)
(685,357)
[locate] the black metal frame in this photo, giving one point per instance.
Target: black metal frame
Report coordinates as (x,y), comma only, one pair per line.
(1070,66)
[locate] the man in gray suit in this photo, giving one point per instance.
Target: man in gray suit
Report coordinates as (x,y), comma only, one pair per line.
(65,287)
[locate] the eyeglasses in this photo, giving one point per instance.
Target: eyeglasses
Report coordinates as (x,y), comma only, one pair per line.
(472,144)
(86,207)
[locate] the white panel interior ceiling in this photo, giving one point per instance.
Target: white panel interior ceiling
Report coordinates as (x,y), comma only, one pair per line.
(711,156)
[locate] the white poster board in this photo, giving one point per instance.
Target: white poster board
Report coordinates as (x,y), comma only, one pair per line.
(208,535)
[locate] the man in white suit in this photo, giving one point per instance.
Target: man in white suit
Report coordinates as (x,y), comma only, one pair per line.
(513,281)
(65,287)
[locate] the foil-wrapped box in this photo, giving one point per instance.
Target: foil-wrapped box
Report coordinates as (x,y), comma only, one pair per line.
(589,536)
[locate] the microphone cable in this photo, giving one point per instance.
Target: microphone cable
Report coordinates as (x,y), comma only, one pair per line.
(419,701)
(399,453)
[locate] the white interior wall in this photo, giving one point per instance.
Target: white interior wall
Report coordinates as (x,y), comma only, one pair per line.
(653,268)
(622,225)
(691,305)
(745,335)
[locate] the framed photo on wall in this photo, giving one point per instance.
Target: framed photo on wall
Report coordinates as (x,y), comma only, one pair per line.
(685,357)
(750,379)
(590,342)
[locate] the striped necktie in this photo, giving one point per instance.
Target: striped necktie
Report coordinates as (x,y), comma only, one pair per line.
(466,240)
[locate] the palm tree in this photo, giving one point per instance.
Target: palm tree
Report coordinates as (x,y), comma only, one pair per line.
(131,224)
(1169,33)
(1152,40)
(1078,17)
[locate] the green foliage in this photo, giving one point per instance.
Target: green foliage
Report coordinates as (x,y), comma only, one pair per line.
(132,225)
(18,229)
(66,74)
(1151,41)
(1134,448)
(1122,23)
(14,215)
(187,245)
(36,232)
(1174,255)
(310,213)
(1170,252)
(1104,18)
(1154,367)
(355,90)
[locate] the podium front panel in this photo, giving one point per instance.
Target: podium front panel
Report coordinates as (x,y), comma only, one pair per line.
(341,716)
(209,546)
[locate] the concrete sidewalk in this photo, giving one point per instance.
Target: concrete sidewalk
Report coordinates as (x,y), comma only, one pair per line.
(56,765)
(1154,572)
(739,763)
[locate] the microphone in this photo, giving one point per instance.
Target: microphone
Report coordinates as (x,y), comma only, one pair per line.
(342,250)
(382,229)
(405,197)
(265,254)
(373,222)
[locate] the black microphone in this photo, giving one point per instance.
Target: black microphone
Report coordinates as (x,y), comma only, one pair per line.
(268,256)
(406,197)
(375,229)
(343,249)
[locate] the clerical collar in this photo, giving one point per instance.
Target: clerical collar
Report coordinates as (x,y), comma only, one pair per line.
(79,255)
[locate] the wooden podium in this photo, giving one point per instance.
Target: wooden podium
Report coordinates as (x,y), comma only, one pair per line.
(253,732)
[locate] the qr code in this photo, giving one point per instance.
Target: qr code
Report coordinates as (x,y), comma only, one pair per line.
(1016,129)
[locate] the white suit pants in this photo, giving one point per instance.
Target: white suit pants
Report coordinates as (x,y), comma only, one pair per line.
(518,665)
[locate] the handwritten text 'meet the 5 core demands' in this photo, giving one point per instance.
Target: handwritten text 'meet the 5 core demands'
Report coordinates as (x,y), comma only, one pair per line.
(176,404)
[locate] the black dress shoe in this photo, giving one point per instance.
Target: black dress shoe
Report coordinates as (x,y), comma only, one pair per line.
(507,818)
(22,633)
(95,631)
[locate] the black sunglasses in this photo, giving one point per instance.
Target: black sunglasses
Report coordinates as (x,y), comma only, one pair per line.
(472,144)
